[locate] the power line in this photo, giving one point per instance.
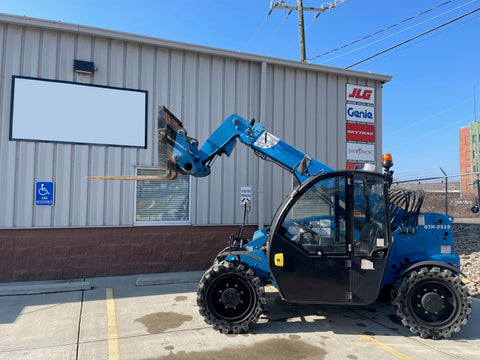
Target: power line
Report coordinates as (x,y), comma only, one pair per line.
(276,30)
(413,38)
(256,32)
(263,23)
(398,32)
(420,41)
(380,31)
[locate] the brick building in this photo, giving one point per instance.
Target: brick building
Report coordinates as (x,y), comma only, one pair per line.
(469,157)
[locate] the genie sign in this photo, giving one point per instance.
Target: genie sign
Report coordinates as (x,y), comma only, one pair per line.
(360,113)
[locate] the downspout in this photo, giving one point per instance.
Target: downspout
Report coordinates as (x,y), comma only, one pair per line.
(261,165)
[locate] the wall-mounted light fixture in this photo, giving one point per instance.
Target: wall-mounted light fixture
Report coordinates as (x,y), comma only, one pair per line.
(84,67)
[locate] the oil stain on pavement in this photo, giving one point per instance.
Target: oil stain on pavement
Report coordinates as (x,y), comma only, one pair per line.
(157,323)
(274,349)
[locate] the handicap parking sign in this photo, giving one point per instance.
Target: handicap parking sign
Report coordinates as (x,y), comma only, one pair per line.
(44,193)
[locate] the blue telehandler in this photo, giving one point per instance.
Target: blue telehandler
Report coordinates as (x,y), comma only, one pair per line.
(339,237)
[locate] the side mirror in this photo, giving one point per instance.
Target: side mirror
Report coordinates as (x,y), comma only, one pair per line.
(304,164)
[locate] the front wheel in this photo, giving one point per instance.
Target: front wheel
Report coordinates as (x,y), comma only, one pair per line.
(230,297)
(432,302)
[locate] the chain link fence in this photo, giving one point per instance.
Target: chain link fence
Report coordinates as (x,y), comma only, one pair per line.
(455,195)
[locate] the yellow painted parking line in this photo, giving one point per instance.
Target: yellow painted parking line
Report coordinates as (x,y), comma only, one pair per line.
(112,327)
(368,338)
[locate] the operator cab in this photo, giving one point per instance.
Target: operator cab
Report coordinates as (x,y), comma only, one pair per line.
(330,239)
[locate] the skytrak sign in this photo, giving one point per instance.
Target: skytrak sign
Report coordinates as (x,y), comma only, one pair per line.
(360,152)
(360,132)
(361,94)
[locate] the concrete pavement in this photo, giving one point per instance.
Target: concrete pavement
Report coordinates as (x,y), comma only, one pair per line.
(118,319)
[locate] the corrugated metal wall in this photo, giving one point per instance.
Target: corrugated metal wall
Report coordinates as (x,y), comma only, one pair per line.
(302,105)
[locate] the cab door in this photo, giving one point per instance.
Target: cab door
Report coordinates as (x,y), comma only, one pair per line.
(309,243)
(329,240)
(371,236)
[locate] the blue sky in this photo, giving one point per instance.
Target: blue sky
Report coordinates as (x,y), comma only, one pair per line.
(428,99)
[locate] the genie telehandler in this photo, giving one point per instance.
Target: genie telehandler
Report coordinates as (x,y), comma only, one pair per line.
(340,237)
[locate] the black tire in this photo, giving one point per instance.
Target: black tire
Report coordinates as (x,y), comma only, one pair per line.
(230,297)
(431,302)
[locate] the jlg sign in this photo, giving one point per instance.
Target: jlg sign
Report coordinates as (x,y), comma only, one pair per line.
(361,94)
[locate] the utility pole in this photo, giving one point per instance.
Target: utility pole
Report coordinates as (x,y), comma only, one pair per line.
(301,31)
(300,8)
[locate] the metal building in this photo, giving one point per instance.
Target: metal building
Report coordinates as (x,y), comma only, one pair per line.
(94,227)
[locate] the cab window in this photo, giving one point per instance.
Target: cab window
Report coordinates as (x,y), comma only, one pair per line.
(369,214)
(317,220)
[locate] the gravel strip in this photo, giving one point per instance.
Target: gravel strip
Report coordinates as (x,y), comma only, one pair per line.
(466,243)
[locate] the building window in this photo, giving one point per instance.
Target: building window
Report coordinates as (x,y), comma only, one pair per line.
(162,202)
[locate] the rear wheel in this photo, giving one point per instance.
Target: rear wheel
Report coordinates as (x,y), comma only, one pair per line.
(432,302)
(230,297)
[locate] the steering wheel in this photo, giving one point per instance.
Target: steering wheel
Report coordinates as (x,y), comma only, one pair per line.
(302,229)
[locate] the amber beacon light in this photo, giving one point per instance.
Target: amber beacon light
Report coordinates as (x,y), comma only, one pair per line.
(387,161)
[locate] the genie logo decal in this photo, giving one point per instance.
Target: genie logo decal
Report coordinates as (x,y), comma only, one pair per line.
(362,94)
(360,132)
(361,113)
(360,152)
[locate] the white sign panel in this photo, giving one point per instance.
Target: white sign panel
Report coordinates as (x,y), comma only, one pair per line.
(360,152)
(245,194)
(361,94)
(361,113)
(59,111)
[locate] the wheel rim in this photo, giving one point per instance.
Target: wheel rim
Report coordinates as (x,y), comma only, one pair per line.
(231,297)
(434,303)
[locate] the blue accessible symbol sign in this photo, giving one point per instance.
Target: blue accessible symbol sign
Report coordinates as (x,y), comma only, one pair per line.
(44,193)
